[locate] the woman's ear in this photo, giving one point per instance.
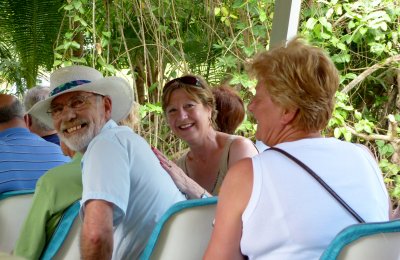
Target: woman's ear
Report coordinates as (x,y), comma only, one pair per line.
(289,115)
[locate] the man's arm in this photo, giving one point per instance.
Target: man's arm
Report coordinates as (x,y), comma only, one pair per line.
(97,230)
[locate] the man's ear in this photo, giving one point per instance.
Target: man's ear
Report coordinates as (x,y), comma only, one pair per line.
(28,120)
(107,106)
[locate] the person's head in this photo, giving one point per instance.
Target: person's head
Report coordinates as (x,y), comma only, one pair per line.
(11,112)
(230,109)
(300,80)
(188,104)
(81,101)
(132,119)
(32,96)
(86,114)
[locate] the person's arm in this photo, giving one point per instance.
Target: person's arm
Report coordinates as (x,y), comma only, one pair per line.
(233,199)
(393,213)
(97,230)
(184,183)
(396,213)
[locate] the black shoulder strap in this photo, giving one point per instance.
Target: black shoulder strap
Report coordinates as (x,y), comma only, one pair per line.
(321,181)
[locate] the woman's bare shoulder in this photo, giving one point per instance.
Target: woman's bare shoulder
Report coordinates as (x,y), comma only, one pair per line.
(240,143)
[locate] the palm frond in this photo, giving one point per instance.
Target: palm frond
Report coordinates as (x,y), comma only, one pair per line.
(32,26)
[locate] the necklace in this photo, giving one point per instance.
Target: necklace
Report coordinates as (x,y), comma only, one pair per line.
(216,179)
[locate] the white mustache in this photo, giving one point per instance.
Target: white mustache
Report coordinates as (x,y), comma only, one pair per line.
(77,122)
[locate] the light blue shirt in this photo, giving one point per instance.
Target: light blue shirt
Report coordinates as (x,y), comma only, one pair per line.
(119,167)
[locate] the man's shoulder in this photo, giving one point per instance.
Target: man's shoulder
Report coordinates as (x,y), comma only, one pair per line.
(116,136)
(118,132)
(9,133)
(21,138)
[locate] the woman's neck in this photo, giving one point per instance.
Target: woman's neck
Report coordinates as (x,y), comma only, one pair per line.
(203,148)
(294,135)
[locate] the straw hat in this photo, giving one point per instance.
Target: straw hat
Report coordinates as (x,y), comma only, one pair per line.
(82,78)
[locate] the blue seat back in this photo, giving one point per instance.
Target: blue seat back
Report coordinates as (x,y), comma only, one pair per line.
(183,231)
(379,240)
(64,243)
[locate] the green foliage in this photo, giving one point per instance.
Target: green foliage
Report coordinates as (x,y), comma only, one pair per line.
(358,35)
(158,40)
(75,29)
(391,175)
(10,69)
(32,27)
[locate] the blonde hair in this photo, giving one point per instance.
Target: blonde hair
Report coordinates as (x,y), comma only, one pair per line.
(132,119)
(300,77)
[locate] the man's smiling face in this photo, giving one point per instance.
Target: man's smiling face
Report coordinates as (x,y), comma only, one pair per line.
(79,116)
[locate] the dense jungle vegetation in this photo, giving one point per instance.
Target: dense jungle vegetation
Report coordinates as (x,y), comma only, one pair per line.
(150,42)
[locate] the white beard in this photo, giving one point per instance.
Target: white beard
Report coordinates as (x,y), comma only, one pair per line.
(80,142)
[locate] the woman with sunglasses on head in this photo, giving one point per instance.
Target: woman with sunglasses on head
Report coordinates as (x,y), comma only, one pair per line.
(189,107)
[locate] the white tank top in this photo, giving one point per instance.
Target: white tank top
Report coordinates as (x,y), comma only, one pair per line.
(291,216)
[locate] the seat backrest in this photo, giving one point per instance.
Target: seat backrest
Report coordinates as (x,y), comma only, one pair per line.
(183,231)
(14,207)
(64,243)
(379,240)
(5,256)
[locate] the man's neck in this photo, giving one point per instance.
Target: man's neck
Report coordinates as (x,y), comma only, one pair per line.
(13,123)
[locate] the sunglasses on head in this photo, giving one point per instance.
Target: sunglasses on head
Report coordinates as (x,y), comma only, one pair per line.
(188,80)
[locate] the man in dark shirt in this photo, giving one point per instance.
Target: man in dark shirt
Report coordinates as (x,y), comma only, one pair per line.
(32,96)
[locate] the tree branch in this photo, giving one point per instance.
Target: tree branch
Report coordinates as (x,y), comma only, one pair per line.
(373,137)
(368,72)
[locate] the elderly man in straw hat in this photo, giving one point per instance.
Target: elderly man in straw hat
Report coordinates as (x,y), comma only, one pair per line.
(125,189)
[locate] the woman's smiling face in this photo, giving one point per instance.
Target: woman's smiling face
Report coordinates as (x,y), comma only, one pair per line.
(187,118)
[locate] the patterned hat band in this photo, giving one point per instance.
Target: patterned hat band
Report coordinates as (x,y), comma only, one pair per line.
(68,85)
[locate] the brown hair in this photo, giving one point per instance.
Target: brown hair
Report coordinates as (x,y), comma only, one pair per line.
(199,93)
(230,109)
(302,77)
